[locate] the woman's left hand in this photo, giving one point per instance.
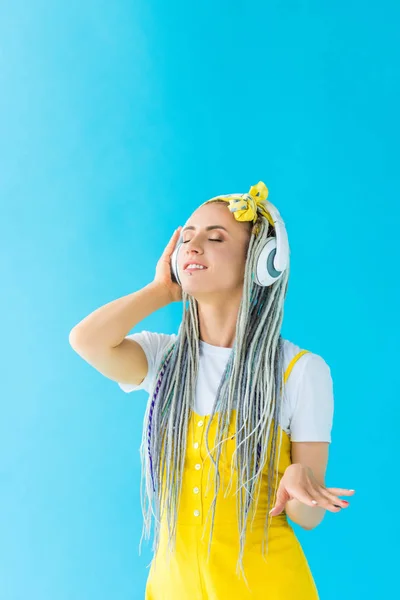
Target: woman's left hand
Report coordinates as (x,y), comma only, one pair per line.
(298,482)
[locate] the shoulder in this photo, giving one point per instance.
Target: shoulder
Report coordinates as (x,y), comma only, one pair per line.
(153,339)
(308,395)
(154,345)
(309,362)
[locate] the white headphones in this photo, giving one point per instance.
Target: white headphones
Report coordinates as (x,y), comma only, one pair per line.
(272,258)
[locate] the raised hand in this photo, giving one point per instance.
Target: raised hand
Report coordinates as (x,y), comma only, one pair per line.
(163,268)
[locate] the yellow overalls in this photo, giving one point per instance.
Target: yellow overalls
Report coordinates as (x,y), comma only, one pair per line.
(283,574)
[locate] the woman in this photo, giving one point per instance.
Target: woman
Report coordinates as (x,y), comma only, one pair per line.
(231,445)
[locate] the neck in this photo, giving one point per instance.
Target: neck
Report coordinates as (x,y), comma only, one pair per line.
(217,320)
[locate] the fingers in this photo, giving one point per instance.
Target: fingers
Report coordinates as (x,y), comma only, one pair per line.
(328,500)
(307,497)
(277,509)
(341,491)
(169,248)
(178,231)
(302,496)
(321,498)
(282,497)
(175,236)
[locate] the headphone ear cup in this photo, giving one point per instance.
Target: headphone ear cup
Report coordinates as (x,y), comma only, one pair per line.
(174,265)
(266,274)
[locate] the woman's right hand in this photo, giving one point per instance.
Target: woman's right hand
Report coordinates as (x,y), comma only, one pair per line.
(163,269)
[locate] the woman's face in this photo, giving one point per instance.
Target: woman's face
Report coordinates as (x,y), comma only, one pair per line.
(222,251)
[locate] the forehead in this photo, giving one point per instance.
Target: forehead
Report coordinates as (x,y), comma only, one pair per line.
(213,214)
(218,213)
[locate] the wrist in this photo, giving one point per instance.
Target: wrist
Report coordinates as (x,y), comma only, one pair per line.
(161,291)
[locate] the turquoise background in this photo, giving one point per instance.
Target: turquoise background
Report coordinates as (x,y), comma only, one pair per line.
(116,121)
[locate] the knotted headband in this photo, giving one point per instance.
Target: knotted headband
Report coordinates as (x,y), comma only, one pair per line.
(245,207)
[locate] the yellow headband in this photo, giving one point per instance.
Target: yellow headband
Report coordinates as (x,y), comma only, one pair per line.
(245,206)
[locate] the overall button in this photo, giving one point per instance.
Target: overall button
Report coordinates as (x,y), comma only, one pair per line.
(196,445)
(197,467)
(200,423)
(196,490)
(196,513)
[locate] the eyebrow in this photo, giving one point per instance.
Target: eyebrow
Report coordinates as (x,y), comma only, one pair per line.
(207,228)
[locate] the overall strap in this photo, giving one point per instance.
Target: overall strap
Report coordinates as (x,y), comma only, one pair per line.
(292,363)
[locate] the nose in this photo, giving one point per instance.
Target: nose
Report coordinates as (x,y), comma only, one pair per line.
(191,248)
(191,245)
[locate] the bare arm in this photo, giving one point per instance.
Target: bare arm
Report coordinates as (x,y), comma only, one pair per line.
(100,337)
(108,325)
(315,456)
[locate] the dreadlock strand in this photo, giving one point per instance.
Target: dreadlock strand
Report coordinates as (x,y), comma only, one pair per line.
(251,385)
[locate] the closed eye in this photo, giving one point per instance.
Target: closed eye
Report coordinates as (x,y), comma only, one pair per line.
(208,240)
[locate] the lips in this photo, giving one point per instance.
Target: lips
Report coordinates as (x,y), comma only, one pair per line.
(193,263)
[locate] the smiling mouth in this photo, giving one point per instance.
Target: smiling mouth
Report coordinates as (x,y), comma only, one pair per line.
(195,270)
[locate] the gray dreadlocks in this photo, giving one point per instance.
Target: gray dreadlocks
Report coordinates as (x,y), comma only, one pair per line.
(251,384)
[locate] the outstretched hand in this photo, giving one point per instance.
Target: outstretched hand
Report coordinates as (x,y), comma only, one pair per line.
(298,482)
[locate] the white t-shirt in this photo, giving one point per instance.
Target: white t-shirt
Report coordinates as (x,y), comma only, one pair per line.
(307,410)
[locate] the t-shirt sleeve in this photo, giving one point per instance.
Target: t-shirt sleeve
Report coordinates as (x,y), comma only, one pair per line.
(312,416)
(154,346)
